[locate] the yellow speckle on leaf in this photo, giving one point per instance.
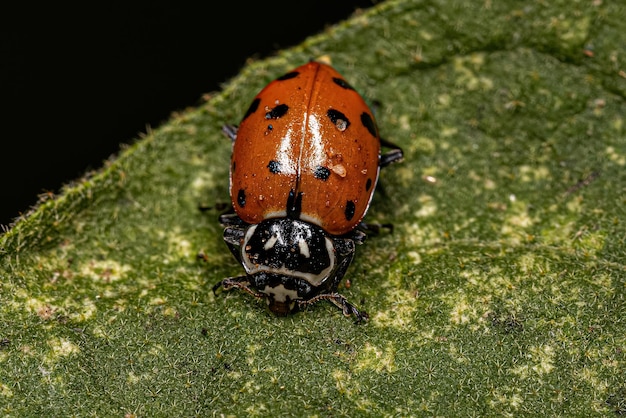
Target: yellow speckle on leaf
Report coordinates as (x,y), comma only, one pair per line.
(86,309)
(615,156)
(40,307)
(477,59)
(60,347)
(573,31)
(427,36)
(449,131)
(178,245)
(444,100)
(104,270)
(467,67)
(506,396)
(517,222)
(253,349)
(158,301)
(343,382)
(170,312)
(575,205)
(533,173)
(5,391)
(377,359)
(404,122)
(421,235)
(45,311)
(402,313)
(590,376)
(462,311)
(132,378)
(545,359)
(202,182)
(414,256)
(427,207)
(540,362)
(424,145)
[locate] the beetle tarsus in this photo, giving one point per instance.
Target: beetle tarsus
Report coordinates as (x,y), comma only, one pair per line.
(240,282)
(342,303)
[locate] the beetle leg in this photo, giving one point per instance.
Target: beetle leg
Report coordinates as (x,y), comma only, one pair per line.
(341,302)
(345,248)
(230,131)
(234,232)
(374,229)
(396,154)
(240,282)
(230,219)
(358,236)
(233,237)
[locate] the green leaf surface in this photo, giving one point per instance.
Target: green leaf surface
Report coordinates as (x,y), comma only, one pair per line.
(501,292)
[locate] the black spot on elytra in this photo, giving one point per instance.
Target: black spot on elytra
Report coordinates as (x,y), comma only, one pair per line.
(253,108)
(350,209)
(241,197)
(342,83)
(368,122)
(288,76)
(321,173)
(274,167)
(277,112)
(337,118)
(294,204)
(368,185)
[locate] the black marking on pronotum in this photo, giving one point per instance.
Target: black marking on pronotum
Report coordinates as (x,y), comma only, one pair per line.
(338,119)
(288,76)
(321,173)
(241,197)
(368,185)
(277,112)
(294,204)
(368,122)
(350,209)
(342,83)
(274,167)
(253,107)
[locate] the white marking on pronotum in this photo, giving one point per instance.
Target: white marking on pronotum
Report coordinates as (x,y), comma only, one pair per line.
(270,242)
(280,293)
(304,248)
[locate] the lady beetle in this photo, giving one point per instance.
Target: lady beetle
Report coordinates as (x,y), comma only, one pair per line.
(304,166)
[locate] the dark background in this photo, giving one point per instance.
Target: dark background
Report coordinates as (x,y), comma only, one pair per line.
(77,81)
